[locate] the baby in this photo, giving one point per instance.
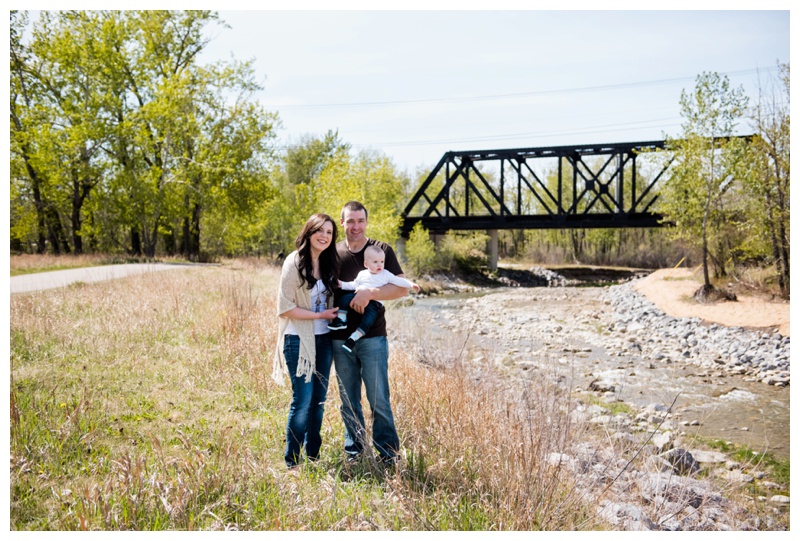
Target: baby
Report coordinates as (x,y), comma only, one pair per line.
(374,276)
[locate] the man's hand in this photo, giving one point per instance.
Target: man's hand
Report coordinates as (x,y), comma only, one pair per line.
(361,299)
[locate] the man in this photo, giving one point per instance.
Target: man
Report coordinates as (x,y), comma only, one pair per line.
(368,362)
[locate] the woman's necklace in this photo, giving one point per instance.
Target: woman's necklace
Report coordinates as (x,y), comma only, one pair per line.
(315,273)
(320,297)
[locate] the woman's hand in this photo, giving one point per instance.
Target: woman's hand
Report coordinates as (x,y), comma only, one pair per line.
(330,313)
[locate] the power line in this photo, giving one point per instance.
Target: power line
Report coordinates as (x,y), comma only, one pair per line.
(517,94)
(596,129)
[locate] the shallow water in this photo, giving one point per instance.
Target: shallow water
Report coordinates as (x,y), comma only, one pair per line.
(560,333)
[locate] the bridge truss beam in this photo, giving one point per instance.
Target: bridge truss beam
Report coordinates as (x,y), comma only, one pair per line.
(595,186)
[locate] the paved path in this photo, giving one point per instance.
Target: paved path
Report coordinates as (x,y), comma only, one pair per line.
(61,278)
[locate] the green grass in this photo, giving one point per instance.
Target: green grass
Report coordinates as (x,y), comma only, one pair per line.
(612,407)
(778,466)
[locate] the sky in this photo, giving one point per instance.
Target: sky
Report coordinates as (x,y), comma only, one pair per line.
(414,84)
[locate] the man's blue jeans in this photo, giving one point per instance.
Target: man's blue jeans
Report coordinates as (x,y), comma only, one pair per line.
(367,363)
(308,399)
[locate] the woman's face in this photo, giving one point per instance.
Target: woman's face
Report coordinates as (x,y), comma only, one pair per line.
(321,238)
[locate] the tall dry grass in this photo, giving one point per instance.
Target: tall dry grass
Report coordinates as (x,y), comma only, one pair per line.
(146,404)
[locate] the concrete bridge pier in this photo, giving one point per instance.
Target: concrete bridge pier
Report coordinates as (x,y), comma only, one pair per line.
(493,249)
(400,248)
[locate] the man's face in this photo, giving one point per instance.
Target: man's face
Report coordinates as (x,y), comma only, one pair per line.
(355,225)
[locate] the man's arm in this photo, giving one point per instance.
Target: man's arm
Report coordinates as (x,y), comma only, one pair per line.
(387,292)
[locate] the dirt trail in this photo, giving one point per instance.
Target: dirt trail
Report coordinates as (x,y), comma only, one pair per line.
(671,290)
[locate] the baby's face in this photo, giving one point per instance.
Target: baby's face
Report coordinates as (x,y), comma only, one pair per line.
(374,262)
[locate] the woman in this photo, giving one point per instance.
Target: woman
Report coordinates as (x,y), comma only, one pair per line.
(305,304)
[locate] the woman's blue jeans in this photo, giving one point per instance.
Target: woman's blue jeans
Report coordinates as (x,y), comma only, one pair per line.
(308,399)
(367,363)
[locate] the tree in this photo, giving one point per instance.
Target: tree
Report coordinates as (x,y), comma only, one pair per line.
(766,179)
(295,181)
(153,75)
(222,157)
(27,175)
(66,49)
(695,194)
(116,127)
(369,177)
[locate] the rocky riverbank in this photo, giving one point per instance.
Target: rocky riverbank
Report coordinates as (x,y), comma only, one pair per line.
(627,362)
(643,327)
(684,479)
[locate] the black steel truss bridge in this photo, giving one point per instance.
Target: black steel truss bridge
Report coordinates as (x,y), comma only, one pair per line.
(561,187)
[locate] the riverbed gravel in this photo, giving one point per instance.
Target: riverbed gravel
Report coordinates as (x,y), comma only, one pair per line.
(614,344)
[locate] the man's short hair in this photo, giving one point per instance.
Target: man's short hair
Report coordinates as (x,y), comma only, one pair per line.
(355,206)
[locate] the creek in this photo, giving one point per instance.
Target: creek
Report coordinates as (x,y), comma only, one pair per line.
(565,334)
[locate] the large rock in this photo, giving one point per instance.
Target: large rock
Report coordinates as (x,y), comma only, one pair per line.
(682,461)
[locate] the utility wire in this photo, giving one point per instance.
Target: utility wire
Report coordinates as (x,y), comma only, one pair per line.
(517,94)
(450,141)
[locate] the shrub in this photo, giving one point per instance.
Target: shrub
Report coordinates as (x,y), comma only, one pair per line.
(420,250)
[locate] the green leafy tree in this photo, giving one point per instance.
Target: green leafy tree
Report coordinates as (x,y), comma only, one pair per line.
(766,180)
(66,47)
(295,180)
(222,167)
(152,62)
(29,116)
(369,177)
(420,250)
(121,136)
(695,194)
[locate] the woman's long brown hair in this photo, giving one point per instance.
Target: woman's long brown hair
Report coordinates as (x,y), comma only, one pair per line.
(328,259)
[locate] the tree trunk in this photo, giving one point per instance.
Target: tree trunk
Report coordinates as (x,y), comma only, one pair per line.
(776,254)
(41,242)
(783,240)
(79,192)
(706,280)
(784,259)
(190,243)
(194,231)
(56,233)
(576,238)
(169,242)
(81,186)
(136,241)
(151,240)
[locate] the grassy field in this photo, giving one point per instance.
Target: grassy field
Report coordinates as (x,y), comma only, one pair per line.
(146,404)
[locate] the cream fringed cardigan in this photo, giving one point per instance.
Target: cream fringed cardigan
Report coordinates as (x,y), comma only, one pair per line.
(294,292)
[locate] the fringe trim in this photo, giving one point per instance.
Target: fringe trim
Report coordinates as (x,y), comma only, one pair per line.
(305,368)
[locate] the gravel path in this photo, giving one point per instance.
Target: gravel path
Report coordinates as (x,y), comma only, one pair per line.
(61,278)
